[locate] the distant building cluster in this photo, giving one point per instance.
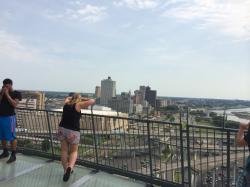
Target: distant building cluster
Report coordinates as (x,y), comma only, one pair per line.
(32,100)
(143,99)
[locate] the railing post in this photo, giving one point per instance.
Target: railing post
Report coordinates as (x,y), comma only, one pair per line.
(117,108)
(94,134)
(228,158)
(182,151)
(224,114)
(50,135)
(188,151)
(149,149)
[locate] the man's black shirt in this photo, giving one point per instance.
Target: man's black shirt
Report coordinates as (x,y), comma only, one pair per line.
(6,109)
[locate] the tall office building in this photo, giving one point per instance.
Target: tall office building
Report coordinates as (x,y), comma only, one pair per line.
(143,91)
(139,97)
(150,96)
(97,91)
(108,90)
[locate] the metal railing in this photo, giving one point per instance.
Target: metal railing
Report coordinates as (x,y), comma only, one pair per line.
(157,152)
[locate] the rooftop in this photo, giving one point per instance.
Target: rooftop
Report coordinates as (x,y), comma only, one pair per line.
(99,110)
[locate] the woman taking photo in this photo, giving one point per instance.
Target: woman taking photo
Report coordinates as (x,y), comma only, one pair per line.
(69,131)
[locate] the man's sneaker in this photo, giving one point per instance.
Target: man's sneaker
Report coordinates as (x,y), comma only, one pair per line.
(5,154)
(67,174)
(12,158)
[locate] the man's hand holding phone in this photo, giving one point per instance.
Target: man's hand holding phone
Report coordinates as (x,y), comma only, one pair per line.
(4,90)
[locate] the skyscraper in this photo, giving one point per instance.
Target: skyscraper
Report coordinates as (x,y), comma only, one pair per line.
(108,90)
(139,97)
(97,91)
(150,96)
(143,91)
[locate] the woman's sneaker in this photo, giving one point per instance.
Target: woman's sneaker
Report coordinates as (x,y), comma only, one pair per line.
(67,174)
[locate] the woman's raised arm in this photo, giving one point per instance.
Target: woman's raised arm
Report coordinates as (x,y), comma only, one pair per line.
(85,104)
(240,135)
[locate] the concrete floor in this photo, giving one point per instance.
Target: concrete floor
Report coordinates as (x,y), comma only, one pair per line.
(35,171)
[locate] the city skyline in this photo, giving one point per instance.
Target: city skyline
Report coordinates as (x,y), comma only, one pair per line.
(181,48)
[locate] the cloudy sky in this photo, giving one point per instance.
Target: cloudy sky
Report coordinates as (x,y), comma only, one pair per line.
(190,48)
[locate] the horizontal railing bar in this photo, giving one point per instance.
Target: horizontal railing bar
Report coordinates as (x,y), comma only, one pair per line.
(213,128)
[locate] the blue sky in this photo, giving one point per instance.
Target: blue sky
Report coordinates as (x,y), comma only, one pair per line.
(190,48)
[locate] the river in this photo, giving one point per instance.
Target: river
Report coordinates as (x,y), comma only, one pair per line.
(231,116)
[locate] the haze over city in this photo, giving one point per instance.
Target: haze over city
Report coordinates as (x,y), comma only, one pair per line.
(180,48)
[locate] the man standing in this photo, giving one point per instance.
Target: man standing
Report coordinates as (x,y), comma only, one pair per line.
(8,102)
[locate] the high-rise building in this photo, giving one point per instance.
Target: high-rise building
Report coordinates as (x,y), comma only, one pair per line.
(143,91)
(150,96)
(139,97)
(122,103)
(97,91)
(108,90)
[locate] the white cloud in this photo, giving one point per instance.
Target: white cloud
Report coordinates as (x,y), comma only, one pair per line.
(81,12)
(5,17)
(118,3)
(137,4)
(13,48)
(126,25)
(231,17)
(170,56)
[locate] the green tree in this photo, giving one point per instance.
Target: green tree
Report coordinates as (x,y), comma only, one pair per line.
(170,108)
(172,119)
(212,114)
(232,124)
(198,113)
(218,120)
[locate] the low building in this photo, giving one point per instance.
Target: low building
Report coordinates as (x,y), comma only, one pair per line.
(28,103)
(104,119)
(161,103)
(171,102)
(29,97)
(138,108)
(122,103)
